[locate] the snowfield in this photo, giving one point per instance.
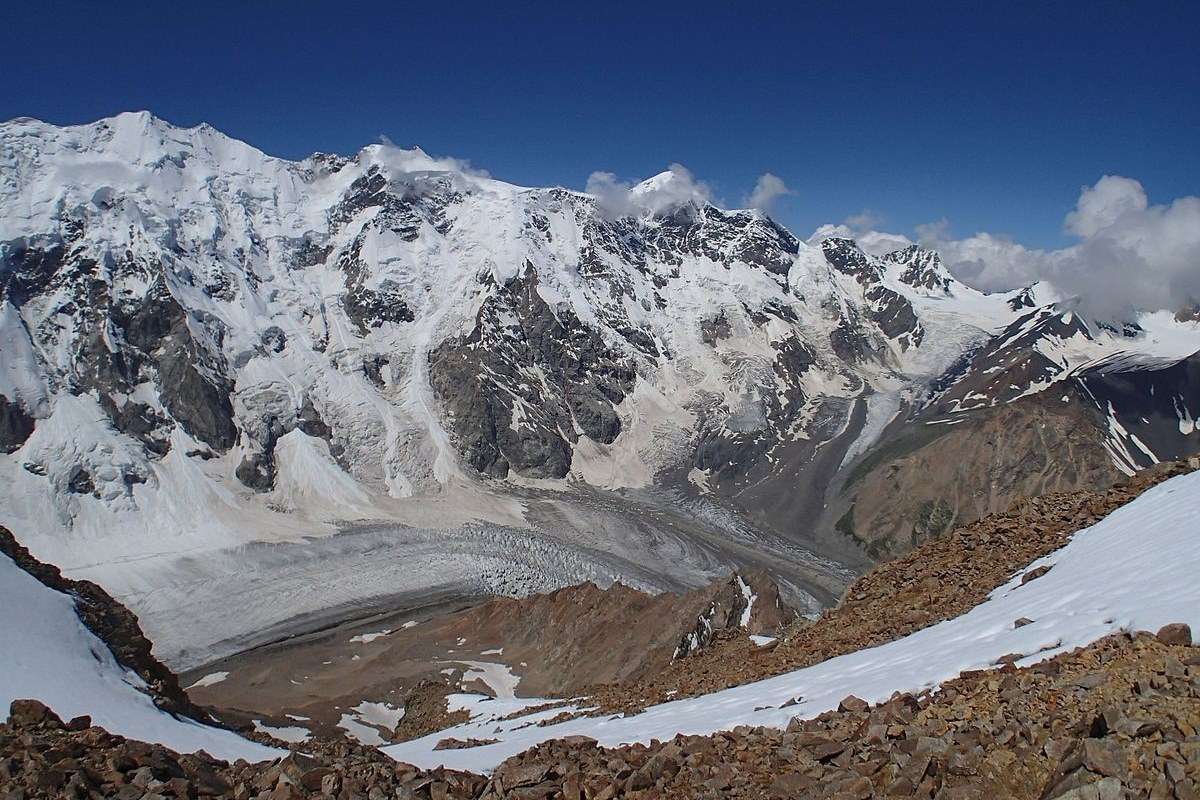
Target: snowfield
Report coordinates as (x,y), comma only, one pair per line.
(1134,570)
(49,655)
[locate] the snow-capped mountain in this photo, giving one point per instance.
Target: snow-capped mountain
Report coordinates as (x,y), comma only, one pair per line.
(202,345)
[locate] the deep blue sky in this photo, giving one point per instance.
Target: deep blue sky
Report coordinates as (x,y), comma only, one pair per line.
(991,117)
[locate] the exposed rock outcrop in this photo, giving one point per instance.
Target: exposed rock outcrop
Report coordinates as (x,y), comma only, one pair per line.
(16,426)
(526,381)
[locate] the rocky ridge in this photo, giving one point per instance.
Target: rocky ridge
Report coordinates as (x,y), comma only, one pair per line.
(940,579)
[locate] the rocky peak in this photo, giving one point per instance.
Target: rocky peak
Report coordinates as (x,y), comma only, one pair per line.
(1188,313)
(847,257)
(1023,299)
(923,268)
(749,603)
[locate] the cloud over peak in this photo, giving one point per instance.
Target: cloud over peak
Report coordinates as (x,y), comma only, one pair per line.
(1130,256)
(767,191)
(674,187)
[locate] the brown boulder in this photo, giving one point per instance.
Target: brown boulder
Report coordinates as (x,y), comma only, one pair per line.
(1177,633)
(29,713)
(852,703)
(1034,574)
(1103,757)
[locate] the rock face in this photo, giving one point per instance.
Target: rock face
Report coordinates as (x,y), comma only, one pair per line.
(922,269)
(192,383)
(525,384)
(15,426)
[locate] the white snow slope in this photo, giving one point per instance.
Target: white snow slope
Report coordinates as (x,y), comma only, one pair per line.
(49,655)
(1134,570)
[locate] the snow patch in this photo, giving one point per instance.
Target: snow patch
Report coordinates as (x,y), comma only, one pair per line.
(209,679)
(367,638)
(284,733)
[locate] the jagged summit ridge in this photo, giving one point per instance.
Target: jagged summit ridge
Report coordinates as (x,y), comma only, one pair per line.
(193,226)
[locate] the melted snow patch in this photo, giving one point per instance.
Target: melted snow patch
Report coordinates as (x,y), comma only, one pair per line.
(750,597)
(497,677)
(357,730)
(381,714)
(284,733)
(209,680)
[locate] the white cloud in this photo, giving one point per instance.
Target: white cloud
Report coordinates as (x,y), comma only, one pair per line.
(864,220)
(672,188)
(612,195)
(830,231)
(767,190)
(861,228)
(1102,205)
(878,243)
(986,261)
(1130,255)
(415,160)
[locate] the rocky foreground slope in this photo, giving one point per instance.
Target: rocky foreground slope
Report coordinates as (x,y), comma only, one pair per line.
(1119,718)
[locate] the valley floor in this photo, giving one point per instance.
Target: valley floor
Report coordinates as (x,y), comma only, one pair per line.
(201,608)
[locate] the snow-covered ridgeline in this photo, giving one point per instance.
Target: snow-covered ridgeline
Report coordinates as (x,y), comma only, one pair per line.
(49,655)
(1133,570)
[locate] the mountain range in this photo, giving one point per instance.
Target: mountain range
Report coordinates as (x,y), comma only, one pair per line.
(224,375)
